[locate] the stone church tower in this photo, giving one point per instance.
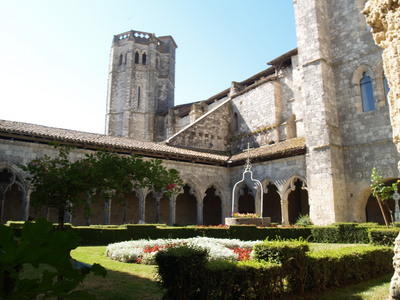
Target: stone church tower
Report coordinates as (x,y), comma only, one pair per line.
(141,85)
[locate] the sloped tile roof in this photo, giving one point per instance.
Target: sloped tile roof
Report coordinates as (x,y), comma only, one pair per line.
(44,134)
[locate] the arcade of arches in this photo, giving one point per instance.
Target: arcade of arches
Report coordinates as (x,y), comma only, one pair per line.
(284,202)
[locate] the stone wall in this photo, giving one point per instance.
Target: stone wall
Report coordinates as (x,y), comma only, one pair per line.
(209,132)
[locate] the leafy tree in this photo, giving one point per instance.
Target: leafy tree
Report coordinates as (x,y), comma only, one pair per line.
(382,192)
(64,184)
(58,182)
(48,252)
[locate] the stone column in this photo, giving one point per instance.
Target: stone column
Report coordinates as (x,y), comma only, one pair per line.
(383,16)
(172,204)
(325,167)
(158,196)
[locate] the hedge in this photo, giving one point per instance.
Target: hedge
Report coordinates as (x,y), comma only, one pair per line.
(337,233)
(341,233)
(282,269)
(336,267)
(383,236)
(292,257)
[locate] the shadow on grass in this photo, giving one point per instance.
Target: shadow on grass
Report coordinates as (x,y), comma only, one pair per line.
(374,289)
(121,285)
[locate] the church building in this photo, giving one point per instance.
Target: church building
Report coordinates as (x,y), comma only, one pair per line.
(316,121)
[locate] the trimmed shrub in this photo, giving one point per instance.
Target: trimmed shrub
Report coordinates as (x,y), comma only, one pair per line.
(383,236)
(292,256)
(337,267)
(243,280)
(340,233)
(181,270)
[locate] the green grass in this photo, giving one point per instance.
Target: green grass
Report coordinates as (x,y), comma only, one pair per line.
(376,289)
(135,281)
(123,281)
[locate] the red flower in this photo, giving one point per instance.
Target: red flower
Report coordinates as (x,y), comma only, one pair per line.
(171,186)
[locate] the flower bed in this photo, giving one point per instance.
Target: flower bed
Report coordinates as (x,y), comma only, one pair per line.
(144,251)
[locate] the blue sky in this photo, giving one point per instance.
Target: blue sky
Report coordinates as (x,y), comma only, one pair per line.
(54,54)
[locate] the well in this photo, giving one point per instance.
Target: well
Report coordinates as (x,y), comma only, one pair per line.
(265,221)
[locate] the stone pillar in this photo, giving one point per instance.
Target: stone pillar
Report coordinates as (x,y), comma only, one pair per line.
(325,167)
(157,196)
(383,16)
(142,209)
(107,212)
(172,204)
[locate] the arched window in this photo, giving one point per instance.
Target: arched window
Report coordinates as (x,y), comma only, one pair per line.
(136,57)
(120,59)
(386,87)
(367,93)
(144,59)
(138,96)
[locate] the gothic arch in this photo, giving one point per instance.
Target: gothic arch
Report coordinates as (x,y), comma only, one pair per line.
(14,204)
(195,183)
(150,208)
(357,77)
(212,206)
(372,210)
(381,97)
(294,195)
(186,205)
(272,204)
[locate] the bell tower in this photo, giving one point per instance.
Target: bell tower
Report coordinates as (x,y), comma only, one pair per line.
(141,85)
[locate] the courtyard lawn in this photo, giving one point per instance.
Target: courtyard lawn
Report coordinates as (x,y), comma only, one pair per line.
(138,281)
(123,281)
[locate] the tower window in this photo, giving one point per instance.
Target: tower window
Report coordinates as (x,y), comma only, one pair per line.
(367,93)
(235,122)
(136,57)
(120,59)
(144,59)
(386,87)
(138,96)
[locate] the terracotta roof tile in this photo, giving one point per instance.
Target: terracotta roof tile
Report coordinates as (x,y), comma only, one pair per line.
(34,133)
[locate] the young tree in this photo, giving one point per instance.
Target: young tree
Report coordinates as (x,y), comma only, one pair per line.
(64,184)
(382,192)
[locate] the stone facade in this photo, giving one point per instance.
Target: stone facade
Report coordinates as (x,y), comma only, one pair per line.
(313,140)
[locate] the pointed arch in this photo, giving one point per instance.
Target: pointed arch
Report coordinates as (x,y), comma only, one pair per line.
(136,60)
(272,206)
(212,206)
(186,206)
(363,82)
(294,193)
(372,210)
(382,86)
(144,58)
(150,208)
(13,194)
